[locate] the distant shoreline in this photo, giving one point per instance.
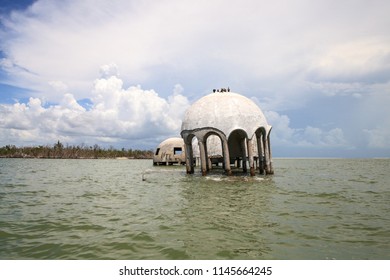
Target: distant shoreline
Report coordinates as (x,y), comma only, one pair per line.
(116,158)
(61,151)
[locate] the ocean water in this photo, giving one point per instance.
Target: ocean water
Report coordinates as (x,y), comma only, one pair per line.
(130,209)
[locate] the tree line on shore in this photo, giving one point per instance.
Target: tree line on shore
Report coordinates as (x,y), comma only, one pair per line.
(59,150)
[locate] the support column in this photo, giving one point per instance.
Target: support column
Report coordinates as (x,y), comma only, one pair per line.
(266,155)
(208,163)
(271,168)
(260,149)
(243,155)
(226,157)
(256,162)
(203,160)
(223,161)
(189,159)
(250,156)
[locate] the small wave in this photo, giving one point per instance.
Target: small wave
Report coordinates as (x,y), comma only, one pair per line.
(5,234)
(143,236)
(216,179)
(174,254)
(234,178)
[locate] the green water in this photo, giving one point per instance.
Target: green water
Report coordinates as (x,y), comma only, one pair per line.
(102,209)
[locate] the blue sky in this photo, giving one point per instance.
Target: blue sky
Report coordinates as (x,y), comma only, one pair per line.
(122,73)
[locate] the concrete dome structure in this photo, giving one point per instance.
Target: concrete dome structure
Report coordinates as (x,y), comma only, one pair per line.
(170,151)
(240,125)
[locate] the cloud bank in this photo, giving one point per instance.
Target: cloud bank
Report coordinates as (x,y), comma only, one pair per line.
(114,114)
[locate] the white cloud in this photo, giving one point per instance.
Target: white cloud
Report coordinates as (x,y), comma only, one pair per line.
(377,137)
(109,70)
(117,114)
(365,61)
(58,86)
(282,133)
(319,137)
(285,135)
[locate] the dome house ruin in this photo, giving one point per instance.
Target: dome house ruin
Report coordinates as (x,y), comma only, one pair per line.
(239,124)
(170,151)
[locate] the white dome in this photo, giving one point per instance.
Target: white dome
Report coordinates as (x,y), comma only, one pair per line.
(225,111)
(170,143)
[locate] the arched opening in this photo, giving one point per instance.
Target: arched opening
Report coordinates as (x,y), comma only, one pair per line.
(264,150)
(211,148)
(237,143)
(214,150)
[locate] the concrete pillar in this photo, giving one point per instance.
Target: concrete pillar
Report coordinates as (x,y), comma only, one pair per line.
(203,159)
(256,163)
(260,149)
(271,168)
(266,155)
(243,155)
(189,158)
(226,157)
(251,157)
(208,162)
